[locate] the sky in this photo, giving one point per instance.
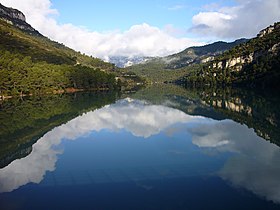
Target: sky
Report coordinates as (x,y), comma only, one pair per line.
(248,168)
(105,28)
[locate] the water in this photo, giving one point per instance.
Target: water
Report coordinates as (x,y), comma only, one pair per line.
(160,148)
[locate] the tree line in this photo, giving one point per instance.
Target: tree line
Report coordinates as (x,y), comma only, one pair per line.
(20,75)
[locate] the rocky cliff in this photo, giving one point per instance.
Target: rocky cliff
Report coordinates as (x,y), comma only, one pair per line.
(265,44)
(198,55)
(16,18)
(254,63)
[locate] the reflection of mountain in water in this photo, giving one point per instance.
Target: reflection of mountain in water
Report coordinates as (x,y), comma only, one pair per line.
(258,110)
(23,122)
(246,160)
(136,117)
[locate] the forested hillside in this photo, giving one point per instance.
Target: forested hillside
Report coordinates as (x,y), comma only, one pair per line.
(172,67)
(254,63)
(32,64)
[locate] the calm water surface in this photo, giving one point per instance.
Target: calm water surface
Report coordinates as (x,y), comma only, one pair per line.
(141,152)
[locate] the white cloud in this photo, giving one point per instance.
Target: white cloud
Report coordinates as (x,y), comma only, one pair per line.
(244,20)
(139,40)
(136,117)
(255,163)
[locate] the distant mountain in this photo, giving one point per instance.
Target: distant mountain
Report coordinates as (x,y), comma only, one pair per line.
(124,61)
(254,63)
(201,54)
(194,55)
(172,67)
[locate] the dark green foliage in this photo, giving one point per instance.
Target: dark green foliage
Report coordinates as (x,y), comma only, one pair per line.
(260,66)
(195,55)
(32,64)
(24,121)
(175,67)
(258,109)
(215,47)
(19,75)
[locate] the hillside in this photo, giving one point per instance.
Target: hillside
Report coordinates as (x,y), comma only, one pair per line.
(254,63)
(32,63)
(197,55)
(172,67)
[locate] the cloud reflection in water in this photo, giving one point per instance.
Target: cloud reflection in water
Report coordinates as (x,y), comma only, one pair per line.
(136,117)
(254,164)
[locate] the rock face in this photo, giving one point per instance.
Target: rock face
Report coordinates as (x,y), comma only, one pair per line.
(237,61)
(198,55)
(12,13)
(268,30)
(16,18)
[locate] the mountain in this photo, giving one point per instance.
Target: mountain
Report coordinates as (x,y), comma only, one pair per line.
(172,67)
(254,63)
(16,18)
(124,61)
(33,64)
(196,55)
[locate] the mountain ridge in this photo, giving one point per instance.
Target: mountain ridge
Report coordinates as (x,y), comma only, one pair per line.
(200,54)
(254,63)
(32,64)
(16,18)
(172,67)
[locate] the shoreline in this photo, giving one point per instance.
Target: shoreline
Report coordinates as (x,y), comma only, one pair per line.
(55,92)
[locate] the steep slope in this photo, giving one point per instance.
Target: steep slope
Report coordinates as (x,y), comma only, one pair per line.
(201,54)
(172,67)
(31,63)
(254,63)
(16,18)
(17,36)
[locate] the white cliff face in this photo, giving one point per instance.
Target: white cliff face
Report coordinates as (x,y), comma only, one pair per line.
(220,65)
(235,63)
(205,60)
(266,31)
(239,59)
(274,49)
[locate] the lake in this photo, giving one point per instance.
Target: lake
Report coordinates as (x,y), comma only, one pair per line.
(163,147)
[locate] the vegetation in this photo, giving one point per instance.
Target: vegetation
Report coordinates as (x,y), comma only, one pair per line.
(24,121)
(198,55)
(155,72)
(257,109)
(258,62)
(176,66)
(32,64)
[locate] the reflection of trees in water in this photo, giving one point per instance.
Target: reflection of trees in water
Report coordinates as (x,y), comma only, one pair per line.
(24,121)
(257,110)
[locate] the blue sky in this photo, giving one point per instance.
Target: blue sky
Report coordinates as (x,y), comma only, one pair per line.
(107,15)
(106,28)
